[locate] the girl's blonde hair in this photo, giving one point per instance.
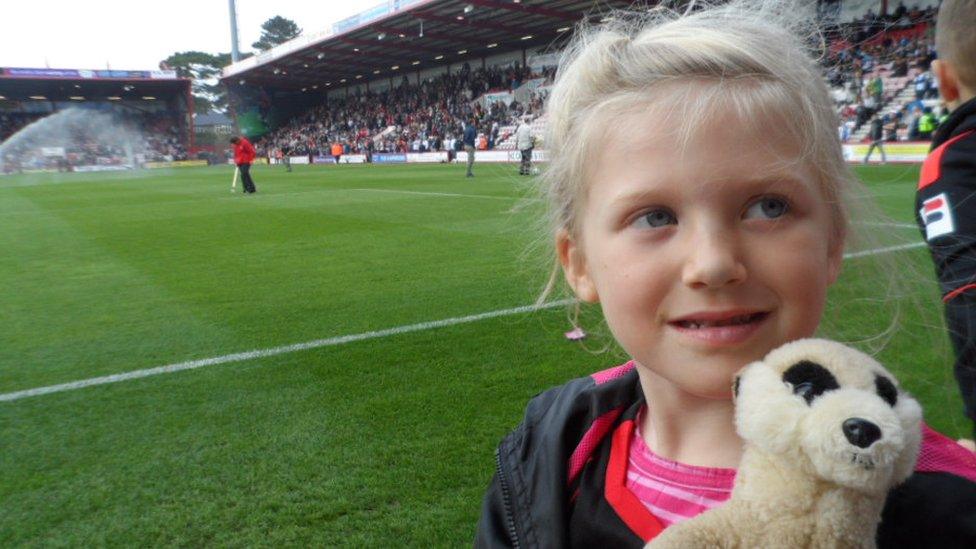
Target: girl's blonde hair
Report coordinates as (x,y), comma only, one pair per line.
(746,55)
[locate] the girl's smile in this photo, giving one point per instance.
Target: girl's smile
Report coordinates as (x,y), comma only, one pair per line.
(720,328)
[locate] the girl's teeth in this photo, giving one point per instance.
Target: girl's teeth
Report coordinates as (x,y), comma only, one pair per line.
(696,325)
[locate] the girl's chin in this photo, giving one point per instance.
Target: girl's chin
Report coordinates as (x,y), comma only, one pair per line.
(713,384)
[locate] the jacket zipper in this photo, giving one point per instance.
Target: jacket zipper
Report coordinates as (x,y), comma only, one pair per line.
(506,499)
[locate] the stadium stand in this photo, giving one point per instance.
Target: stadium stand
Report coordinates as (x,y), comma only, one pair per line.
(413,118)
(434,65)
(873,67)
(437,63)
(153,109)
(405,76)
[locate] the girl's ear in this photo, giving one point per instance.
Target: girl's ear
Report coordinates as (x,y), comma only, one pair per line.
(574,267)
(948,81)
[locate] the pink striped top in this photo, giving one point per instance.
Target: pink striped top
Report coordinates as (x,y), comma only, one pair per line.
(673,491)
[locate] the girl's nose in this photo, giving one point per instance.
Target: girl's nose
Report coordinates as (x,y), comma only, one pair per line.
(713,260)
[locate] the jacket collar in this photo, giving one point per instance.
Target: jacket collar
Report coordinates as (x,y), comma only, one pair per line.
(961,119)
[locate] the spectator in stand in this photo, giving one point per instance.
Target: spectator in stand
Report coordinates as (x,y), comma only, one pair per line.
(926,124)
(876,89)
(946,213)
(911,122)
(244,155)
(470,134)
(900,67)
(891,127)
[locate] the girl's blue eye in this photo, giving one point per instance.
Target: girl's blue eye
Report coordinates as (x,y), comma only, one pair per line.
(769,207)
(655,219)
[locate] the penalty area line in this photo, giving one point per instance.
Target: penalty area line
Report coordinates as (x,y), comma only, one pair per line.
(274,351)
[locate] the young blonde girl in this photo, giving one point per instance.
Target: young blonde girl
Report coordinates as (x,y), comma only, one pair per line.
(697,193)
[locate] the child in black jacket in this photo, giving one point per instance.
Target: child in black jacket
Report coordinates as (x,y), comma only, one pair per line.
(945,205)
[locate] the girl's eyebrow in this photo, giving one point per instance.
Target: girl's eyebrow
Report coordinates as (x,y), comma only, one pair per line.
(647,195)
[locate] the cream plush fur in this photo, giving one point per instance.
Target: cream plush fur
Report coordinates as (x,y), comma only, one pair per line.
(827,434)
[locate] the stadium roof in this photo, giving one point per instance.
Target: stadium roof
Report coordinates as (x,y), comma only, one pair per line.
(22,84)
(415,35)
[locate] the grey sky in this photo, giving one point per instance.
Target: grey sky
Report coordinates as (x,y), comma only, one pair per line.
(138,34)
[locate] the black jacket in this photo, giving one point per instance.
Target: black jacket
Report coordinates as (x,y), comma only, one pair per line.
(945,204)
(553,487)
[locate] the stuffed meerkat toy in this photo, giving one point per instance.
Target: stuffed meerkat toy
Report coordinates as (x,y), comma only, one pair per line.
(827,434)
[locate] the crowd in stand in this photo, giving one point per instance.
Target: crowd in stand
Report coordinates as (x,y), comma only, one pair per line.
(129,138)
(412,117)
(162,140)
(13,122)
(863,55)
(868,51)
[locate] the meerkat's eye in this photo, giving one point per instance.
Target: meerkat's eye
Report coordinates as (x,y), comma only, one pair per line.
(809,380)
(886,390)
(805,390)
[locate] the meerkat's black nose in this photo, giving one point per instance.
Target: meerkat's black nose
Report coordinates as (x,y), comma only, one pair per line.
(861,432)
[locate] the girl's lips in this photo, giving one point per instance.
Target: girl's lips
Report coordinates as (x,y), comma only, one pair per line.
(720,329)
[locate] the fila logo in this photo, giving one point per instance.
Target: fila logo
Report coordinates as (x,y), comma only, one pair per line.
(937,217)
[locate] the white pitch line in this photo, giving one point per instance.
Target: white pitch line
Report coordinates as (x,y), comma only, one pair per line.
(877,251)
(328,342)
(274,351)
(453,195)
(885,224)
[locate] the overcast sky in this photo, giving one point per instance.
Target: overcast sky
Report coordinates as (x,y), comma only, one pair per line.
(138,34)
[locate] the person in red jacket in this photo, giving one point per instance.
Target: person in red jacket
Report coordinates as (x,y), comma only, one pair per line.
(244,156)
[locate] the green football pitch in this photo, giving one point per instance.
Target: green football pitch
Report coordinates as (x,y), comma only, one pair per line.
(344,349)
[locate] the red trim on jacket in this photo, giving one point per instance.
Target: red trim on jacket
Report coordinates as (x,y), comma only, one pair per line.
(955,293)
(584,450)
(932,168)
(611,374)
(621,499)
